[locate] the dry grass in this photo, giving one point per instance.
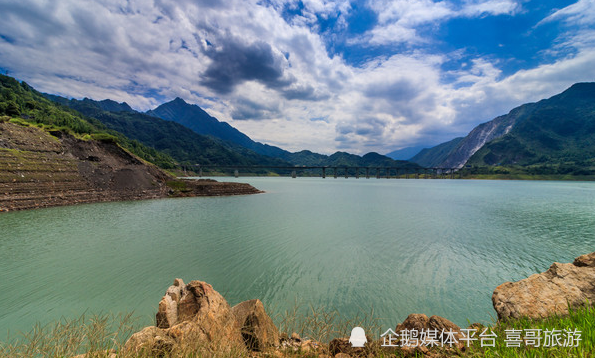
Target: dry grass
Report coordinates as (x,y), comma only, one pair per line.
(103,336)
(67,338)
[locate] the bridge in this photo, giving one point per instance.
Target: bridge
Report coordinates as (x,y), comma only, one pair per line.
(346,171)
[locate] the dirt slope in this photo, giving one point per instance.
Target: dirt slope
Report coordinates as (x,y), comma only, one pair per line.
(39,169)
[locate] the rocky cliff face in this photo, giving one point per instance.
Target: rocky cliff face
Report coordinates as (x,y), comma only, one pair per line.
(482,134)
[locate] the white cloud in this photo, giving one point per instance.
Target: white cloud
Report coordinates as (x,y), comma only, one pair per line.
(578,20)
(491,7)
(579,13)
(145,53)
(398,20)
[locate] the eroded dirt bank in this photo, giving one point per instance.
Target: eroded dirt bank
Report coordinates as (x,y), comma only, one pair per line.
(41,169)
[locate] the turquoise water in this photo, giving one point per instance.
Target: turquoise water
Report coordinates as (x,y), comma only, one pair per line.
(397,246)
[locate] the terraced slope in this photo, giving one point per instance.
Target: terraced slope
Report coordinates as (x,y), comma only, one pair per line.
(38,169)
(41,169)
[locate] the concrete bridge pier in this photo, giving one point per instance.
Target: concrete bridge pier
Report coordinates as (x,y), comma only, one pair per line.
(293,174)
(377,173)
(346,173)
(367,173)
(323,173)
(387,173)
(356,173)
(236,173)
(200,172)
(335,172)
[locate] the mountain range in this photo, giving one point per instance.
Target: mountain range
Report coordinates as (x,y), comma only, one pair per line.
(555,135)
(190,135)
(181,143)
(557,132)
(195,118)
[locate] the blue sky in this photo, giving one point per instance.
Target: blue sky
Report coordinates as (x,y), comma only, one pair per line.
(358,76)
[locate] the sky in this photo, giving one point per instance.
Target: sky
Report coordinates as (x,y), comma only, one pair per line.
(356,76)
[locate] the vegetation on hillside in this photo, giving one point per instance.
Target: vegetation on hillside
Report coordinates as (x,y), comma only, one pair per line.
(190,147)
(169,137)
(433,157)
(195,118)
(26,105)
(556,138)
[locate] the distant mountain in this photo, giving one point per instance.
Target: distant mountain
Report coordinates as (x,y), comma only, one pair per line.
(406,153)
(435,156)
(559,132)
(171,138)
(106,104)
(113,106)
(195,118)
(339,159)
(484,133)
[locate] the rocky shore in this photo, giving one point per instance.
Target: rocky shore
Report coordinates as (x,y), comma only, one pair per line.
(540,295)
(194,318)
(41,169)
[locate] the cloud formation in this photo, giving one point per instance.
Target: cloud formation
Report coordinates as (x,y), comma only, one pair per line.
(234,62)
(307,74)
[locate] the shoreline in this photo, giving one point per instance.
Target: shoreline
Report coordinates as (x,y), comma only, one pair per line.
(45,169)
(195,320)
(558,178)
(190,188)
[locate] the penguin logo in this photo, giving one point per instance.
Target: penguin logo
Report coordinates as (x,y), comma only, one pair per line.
(358,337)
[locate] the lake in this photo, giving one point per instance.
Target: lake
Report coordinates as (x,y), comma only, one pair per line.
(351,245)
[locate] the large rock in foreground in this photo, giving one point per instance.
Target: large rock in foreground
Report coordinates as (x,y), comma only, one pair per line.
(196,317)
(550,292)
(257,328)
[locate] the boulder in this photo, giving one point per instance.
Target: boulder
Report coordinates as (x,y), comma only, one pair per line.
(344,345)
(587,260)
(419,322)
(548,293)
(340,346)
(442,346)
(415,321)
(257,328)
(151,341)
(196,317)
(289,345)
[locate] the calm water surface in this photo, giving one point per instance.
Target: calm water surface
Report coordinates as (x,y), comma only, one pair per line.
(397,246)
